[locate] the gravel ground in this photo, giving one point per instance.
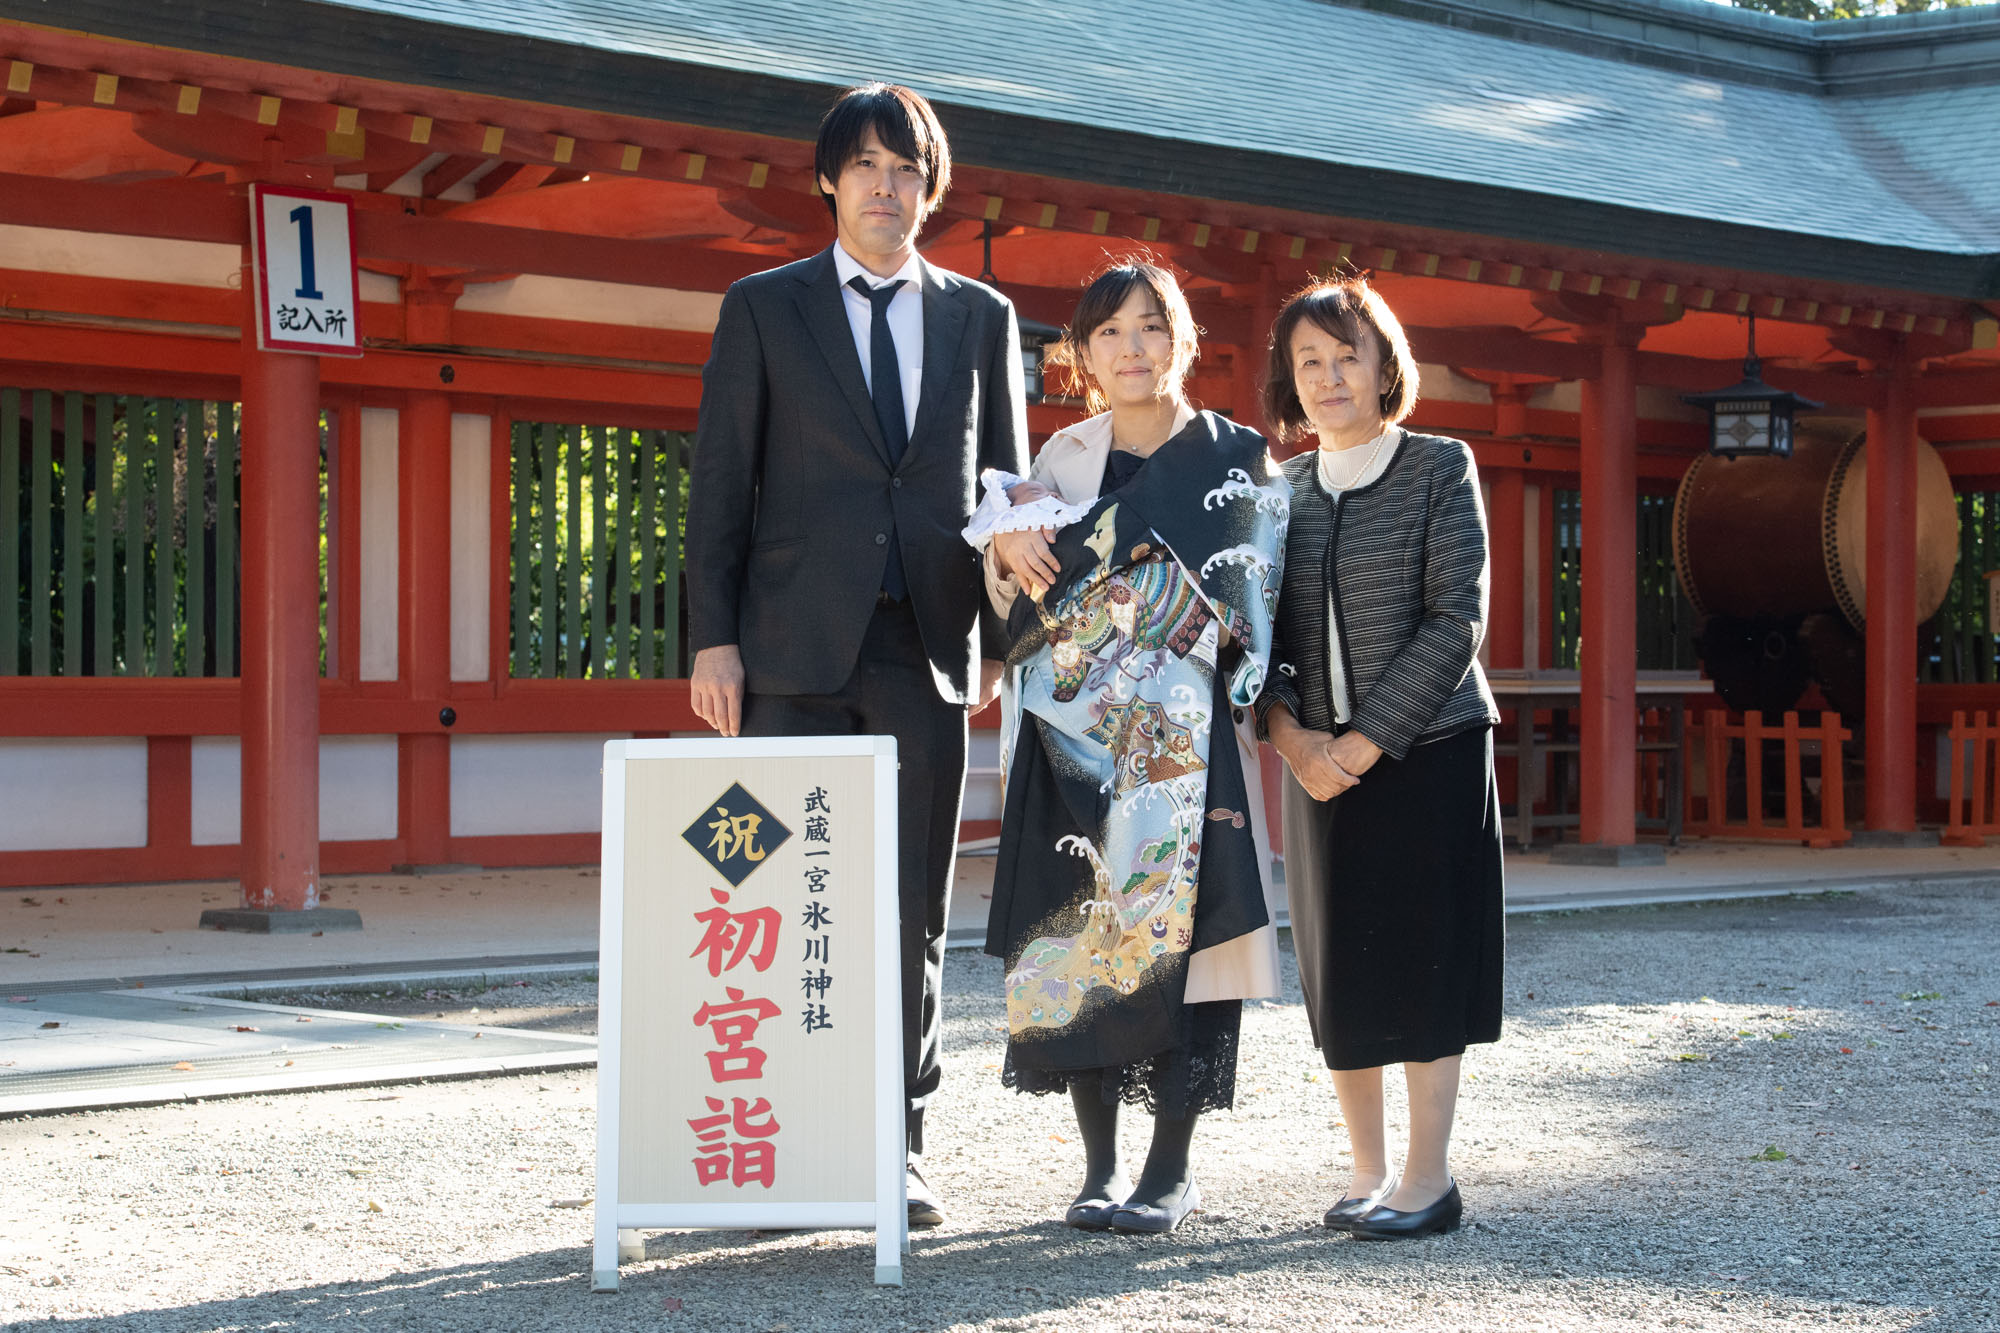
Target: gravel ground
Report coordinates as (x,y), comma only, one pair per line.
(1770,1115)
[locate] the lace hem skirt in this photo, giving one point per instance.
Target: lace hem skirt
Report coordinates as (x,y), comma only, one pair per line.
(1196,1074)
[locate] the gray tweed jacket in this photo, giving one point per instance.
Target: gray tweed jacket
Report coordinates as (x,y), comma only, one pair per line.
(1403,562)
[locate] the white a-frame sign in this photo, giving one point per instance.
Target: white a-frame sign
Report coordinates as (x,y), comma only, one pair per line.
(750,1069)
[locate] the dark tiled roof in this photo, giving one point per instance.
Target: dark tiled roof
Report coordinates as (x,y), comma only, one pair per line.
(1667,127)
(1361,87)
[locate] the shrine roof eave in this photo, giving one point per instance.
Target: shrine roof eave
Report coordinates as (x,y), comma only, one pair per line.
(421,54)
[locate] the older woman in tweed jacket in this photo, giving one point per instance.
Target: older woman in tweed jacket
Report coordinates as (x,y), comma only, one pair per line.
(1383,717)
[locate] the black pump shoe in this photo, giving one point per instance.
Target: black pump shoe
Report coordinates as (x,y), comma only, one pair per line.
(1388,1224)
(1157,1218)
(1341,1217)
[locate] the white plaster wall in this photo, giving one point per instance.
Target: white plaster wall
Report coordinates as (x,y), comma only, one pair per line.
(357,789)
(59,795)
(379,554)
(142,258)
(982,789)
(471,556)
(1563,396)
(1657,403)
(1654,402)
(146,259)
(1447,385)
(527,784)
(597,302)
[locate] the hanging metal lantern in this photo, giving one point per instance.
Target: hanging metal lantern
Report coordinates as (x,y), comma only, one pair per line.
(1036,338)
(1750,418)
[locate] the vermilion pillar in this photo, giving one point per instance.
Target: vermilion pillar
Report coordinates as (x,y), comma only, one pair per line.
(280,629)
(1609,618)
(1891,632)
(1505,525)
(424,608)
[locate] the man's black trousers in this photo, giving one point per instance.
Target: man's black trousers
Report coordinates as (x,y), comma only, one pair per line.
(891,692)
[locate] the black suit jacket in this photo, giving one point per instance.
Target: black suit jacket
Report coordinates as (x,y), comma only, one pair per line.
(791,495)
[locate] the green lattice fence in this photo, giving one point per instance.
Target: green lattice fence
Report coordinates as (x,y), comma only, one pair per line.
(1957,645)
(1666,619)
(599,515)
(123,534)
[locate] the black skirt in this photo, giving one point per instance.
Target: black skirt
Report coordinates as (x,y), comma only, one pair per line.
(1397,893)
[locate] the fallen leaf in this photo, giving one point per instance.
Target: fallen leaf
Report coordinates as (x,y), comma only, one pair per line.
(571,1203)
(245,1027)
(1847,1050)
(374,1207)
(1692,1057)
(52,1024)
(288,1064)
(184,1065)
(1771,1153)
(302,1019)
(31,902)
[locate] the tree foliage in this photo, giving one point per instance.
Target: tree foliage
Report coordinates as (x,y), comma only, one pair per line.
(1820,10)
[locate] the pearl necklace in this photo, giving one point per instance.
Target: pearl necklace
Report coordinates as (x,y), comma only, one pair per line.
(1362,471)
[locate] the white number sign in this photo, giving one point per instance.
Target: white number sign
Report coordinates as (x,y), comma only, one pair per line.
(302,242)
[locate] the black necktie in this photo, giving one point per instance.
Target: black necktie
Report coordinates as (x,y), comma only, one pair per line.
(885,385)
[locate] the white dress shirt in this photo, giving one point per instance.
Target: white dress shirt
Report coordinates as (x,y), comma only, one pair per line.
(906,323)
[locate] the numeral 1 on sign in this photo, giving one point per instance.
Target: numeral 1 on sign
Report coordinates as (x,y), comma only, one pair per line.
(308,288)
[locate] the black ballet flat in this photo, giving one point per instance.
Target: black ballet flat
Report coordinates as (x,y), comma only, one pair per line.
(1093,1216)
(1342,1216)
(1156,1219)
(1389,1224)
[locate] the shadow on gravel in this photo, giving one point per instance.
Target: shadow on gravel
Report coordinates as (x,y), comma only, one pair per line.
(719,1282)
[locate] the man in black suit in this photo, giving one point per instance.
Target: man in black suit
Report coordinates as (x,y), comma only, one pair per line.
(849,404)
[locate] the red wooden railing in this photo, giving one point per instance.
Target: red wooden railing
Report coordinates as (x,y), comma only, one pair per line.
(1973,808)
(1711,735)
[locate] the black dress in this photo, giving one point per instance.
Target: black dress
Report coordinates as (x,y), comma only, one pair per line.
(1198,1072)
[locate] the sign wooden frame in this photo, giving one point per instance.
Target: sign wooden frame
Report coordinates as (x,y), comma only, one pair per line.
(616,1217)
(274,340)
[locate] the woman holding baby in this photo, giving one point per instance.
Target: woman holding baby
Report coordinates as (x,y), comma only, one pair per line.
(1139,569)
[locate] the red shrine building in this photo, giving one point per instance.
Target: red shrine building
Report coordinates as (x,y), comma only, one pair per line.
(283,614)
